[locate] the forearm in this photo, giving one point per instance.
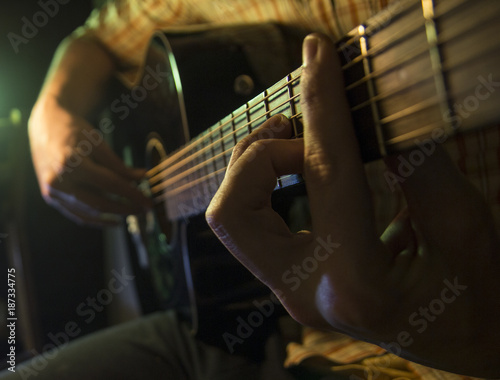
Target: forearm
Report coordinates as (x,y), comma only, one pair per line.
(78,172)
(77,78)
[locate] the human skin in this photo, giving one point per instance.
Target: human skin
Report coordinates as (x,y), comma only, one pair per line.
(91,186)
(370,286)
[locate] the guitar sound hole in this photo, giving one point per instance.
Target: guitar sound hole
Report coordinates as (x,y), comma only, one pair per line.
(155,154)
(156,243)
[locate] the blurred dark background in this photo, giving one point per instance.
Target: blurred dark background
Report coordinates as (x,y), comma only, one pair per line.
(22,73)
(58,264)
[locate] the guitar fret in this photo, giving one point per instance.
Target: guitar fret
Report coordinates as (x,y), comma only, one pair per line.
(222,146)
(375,73)
(240,125)
(196,190)
(364,120)
(293,101)
(396,75)
(348,49)
(435,56)
(371,93)
(380,96)
(266,104)
(216,146)
(212,184)
(394,72)
(233,133)
(247,114)
(280,101)
(226,128)
(256,110)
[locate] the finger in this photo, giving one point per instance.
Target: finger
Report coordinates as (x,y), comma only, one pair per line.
(277,127)
(82,219)
(401,242)
(111,183)
(104,155)
(333,167)
(399,235)
(86,200)
(245,196)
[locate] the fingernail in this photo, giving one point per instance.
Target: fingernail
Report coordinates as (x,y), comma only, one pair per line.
(309,49)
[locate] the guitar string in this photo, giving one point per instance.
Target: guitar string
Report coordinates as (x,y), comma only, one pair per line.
(193,183)
(224,154)
(188,161)
(218,129)
(167,169)
(372,29)
(402,34)
(379,72)
(210,161)
(198,166)
(160,166)
(220,142)
(246,111)
(164,168)
(446,66)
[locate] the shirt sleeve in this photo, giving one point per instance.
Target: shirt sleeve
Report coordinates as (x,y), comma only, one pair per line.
(126,27)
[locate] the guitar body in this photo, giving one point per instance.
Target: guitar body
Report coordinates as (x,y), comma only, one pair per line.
(407,80)
(189,82)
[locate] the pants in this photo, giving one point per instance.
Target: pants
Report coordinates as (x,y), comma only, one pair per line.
(158,346)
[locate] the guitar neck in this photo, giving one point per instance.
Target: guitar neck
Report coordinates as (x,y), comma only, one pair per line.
(418,70)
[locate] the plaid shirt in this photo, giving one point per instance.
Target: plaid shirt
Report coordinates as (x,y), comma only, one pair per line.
(125,27)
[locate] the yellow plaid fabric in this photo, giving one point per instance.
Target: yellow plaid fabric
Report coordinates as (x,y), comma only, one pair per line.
(126,26)
(329,352)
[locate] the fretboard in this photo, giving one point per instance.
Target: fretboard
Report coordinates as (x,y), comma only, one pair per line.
(418,70)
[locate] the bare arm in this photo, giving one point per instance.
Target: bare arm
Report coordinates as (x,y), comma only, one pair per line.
(77,171)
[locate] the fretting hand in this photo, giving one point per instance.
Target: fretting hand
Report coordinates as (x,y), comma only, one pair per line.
(365,285)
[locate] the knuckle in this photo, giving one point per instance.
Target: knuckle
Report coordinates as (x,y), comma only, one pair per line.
(320,169)
(215,218)
(258,145)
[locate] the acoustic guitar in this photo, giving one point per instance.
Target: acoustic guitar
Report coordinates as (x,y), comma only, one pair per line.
(420,71)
